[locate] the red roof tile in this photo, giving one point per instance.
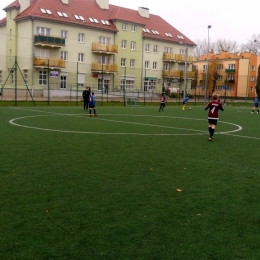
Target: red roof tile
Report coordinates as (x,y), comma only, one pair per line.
(89,8)
(14,4)
(3,21)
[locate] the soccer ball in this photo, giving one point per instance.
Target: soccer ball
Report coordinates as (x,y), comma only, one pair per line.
(189,108)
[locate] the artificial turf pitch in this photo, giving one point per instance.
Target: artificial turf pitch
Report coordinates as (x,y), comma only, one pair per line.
(106,187)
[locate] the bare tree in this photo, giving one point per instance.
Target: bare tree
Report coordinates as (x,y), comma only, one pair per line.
(253,45)
(201,48)
(225,45)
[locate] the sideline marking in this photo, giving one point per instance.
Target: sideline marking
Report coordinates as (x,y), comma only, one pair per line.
(239,128)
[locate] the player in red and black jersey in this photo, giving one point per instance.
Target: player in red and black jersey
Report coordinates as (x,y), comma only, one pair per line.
(214,106)
(162,102)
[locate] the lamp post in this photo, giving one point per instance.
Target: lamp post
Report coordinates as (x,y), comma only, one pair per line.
(206,80)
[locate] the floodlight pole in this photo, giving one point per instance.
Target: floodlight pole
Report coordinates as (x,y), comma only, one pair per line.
(207,71)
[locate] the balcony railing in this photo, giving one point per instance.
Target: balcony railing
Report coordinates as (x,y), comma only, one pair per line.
(107,48)
(171,73)
(230,70)
(107,68)
(177,57)
(190,74)
(52,63)
(51,41)
(230,81)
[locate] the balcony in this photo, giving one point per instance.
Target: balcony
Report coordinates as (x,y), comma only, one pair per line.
(51,63)
(171,73)
(104,48)
(49,41)
(105,68)
(232,81)
(173,57)
(230,70)
(190,74)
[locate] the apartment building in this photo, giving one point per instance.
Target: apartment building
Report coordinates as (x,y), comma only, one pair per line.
(61,44)
(235,73)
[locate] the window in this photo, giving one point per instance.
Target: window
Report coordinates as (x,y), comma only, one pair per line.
(149,84)
(43,31)
(253,68)
(1,76)
(166,66)
(12,77)
(252,78)
(128,84)
(219,66)
(42,53)
(132,45)
(132,63)
(167,49)
(155,48)
(124,26)
(146,64)
(147,47)
(64,55)
(251,89)
(26,74)
(133,28)
(104,40)
(81,37)
(220,77)
(182,52)
(103,59)
(64,34)
(42,77)
(154,65)
(81,79)
(123,45)
(205,67)
(181,67)
(231,66)
(10,34)
(123,62)
(81,57)
(230,77)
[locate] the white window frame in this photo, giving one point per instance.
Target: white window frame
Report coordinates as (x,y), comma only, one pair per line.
(64,34)
(64,55)
(167,49)
(81,37)
(253,68)
(81,57)
(104,40)
(166,66)
(219,66)
(133,28)
(252,78)
(123,44)
(181,67)
(146,64)
(155,49)
(43,31)
(147,47)
(124,26)
(26,76)
(127,83)
(132,63)
(155,65)
(231,66)
(251,89)
(42,77)
(133,44)
(123,62)
(103,59)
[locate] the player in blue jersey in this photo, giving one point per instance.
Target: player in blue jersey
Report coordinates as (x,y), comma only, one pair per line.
(256,104)
(185,100)
(92,104)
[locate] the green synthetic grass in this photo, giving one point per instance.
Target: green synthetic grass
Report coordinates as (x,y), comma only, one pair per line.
(74,187)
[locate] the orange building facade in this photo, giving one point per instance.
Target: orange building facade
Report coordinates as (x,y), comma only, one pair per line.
(234,74)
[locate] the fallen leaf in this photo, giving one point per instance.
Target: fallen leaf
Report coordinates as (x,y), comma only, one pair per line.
(47,211)
(179,190)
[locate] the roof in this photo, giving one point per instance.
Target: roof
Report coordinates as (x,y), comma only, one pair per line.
(14,4)
(3,21)
(155,26)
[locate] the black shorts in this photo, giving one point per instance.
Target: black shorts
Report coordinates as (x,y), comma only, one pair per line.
(183,103)
(213,121)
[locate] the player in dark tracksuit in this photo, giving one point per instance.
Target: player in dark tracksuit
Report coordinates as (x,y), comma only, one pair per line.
(214,106)
(86,95)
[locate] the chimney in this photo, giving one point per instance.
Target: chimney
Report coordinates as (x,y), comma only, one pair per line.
(65,2)
(103,4)
(143,11)
(24,4)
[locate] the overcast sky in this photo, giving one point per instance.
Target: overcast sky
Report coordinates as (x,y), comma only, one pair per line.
(230,20)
